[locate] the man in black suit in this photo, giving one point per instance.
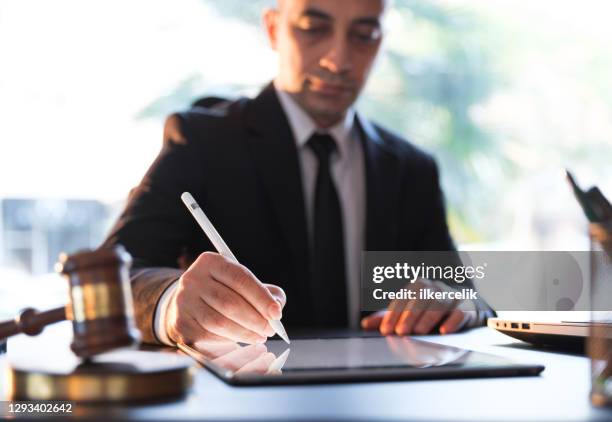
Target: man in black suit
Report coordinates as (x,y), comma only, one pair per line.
(298,184)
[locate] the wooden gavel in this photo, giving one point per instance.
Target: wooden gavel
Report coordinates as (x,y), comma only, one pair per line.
(100,307)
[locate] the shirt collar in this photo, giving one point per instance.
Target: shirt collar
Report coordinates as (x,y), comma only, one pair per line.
(303,126)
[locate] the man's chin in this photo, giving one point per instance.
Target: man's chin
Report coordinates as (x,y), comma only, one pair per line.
(329,107)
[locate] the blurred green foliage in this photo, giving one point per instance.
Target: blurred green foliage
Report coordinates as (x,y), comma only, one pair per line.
(436,68)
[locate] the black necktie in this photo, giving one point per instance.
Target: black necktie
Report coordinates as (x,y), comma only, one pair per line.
(328,281)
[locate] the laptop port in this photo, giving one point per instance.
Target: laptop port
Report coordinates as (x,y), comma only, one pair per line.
(514,325)
(525,326)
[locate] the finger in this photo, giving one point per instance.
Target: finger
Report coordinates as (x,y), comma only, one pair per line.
(214,349)
(372,322)
(181,324)
(233,306)
(428,321)
(409,317)
(215,322)
(455,322)
(186,329)
(237,358)
(390,319)
(259,365)
(238,278)
(278,293)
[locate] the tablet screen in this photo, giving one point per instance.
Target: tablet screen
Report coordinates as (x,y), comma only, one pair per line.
(346,353)
(329,358)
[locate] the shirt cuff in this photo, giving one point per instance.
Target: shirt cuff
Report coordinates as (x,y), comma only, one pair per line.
(159,324)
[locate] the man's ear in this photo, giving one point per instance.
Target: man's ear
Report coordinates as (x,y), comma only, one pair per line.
(270,20)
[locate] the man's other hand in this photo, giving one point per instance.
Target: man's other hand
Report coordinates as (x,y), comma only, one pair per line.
(405,317)
(219,299)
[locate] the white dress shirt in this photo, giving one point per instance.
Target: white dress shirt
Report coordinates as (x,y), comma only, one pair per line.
(348,173)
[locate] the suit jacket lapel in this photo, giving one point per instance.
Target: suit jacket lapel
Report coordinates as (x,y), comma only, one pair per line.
(275,153)
(382,189)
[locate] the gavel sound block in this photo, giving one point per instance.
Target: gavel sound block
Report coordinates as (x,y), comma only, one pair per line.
(118,376)
(101,313)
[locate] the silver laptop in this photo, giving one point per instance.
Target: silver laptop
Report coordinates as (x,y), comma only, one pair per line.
(568,331)
(564,329)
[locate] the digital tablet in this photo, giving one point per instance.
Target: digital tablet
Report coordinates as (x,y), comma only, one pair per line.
(354,359)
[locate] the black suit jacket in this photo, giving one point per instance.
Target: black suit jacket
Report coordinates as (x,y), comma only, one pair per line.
(240,162)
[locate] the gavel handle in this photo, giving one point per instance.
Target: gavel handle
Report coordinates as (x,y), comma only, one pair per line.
(31,322)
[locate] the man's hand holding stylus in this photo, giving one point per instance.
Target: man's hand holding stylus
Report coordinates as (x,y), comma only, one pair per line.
(219,299)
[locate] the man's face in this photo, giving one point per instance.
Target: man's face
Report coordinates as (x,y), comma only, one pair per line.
(326,50)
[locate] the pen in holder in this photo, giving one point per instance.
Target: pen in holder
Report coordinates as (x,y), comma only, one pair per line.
(599,344)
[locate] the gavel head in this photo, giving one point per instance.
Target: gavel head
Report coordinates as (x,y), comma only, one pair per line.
(100,306)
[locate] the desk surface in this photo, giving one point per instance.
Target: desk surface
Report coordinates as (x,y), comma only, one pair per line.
(559,394)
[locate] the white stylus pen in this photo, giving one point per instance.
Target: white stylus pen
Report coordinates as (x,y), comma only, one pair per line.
(222,248)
